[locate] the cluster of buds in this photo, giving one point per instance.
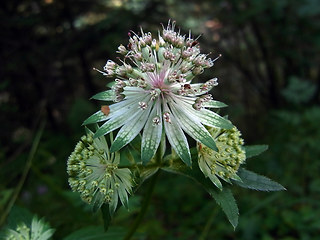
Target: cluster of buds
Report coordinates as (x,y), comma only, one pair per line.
(225,162)
(94,173)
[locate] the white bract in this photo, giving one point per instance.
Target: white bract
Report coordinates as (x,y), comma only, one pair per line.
(39,230)
(153,93)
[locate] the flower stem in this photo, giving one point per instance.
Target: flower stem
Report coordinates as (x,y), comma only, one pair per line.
(207,227)
(145,204)
(25,172)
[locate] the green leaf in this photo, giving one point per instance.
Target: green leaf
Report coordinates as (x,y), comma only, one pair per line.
(228,204)
(255,150)
(104,96)
(106,216)
(254,181)
(18,215)
(96,233)
(224,198)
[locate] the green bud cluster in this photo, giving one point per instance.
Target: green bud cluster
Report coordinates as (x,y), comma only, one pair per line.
(226,162)
(94,173)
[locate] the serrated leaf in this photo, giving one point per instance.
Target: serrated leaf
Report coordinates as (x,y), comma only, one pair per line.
(255,181)
(104,96)
(224,198)
(228,204)
(255,150)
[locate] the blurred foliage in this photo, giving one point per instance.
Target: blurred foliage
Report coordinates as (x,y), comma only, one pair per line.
(269,76)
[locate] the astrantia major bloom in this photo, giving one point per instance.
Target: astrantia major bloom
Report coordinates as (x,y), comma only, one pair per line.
(225,162)
(153,93)
(94,172)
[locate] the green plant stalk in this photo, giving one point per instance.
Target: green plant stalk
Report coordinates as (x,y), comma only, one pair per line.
(207,227)
(145,204)
(25,172)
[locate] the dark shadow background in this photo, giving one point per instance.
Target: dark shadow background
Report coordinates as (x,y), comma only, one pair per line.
(268,75)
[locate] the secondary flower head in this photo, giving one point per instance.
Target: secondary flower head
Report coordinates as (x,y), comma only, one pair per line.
(94,172)
(225,162)
(153,92)
(39,230)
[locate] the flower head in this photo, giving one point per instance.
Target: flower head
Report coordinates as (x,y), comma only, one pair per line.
(39,230)
(94,172)
(153,92)
(225,162)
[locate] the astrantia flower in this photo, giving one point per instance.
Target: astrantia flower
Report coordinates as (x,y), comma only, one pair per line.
(39,230)
(225,162)
(153,91)
(94,172)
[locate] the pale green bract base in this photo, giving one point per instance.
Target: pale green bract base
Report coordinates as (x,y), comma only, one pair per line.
(39,230)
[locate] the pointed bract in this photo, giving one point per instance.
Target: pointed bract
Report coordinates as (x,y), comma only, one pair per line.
(151,136)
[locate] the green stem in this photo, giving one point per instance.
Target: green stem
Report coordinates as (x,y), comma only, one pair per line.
(145,204)
(24,173)
(207,227)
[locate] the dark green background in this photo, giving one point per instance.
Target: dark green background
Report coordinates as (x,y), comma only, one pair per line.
(268,75)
